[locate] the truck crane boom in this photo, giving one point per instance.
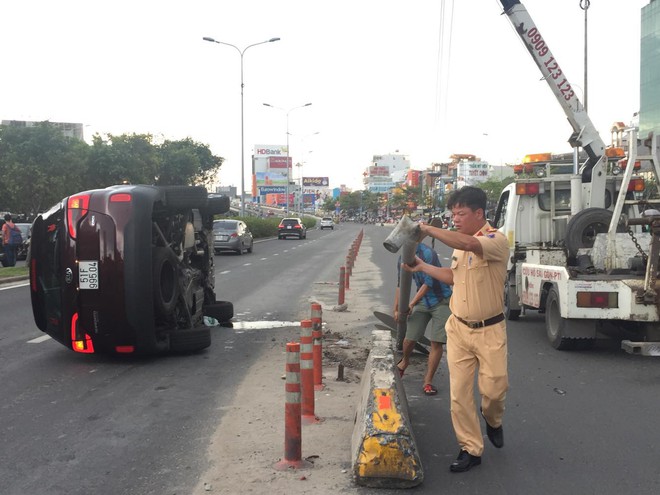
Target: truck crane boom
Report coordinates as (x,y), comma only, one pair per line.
(584,135)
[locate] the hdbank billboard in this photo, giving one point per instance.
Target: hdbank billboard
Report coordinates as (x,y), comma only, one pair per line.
(264,150)
(315,182)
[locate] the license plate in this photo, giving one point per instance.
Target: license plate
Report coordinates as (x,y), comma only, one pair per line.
(221,237)
(88,274)
(288,227)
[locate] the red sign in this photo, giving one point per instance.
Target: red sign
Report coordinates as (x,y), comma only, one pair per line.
(278,161)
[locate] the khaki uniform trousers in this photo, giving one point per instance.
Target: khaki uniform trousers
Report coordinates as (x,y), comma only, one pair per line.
(468,349)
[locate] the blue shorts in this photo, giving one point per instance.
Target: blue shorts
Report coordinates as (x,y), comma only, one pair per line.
(420,318)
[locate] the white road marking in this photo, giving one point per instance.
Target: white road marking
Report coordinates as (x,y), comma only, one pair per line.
(247,264)
(225,272)
(39,340)
(14,286)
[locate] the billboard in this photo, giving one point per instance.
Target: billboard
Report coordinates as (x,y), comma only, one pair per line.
(279,161)
(315,182)
(272,190)
(271,179)
(262,150)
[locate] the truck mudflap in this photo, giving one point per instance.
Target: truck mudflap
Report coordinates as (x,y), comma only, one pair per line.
(641,348)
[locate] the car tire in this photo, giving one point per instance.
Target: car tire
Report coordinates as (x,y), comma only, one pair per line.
(217,205)
(249,250)
(222,311)
(184,197)
(165,280)
(239,251)
(190,340)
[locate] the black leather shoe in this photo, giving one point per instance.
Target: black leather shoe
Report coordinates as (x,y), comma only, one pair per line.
(495,435)
(464,462)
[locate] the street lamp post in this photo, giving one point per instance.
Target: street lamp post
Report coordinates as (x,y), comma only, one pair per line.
(241,52)
(288,171)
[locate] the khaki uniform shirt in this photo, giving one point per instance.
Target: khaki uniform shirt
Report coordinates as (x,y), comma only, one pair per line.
(479,281)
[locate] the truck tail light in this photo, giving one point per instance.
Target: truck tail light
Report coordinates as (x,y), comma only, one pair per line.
(527,189)
(636,185)
(597,300)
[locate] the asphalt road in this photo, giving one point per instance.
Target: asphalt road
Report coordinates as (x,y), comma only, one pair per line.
(576,422)
(88,424)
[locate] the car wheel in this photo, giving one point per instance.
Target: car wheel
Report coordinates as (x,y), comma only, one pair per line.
(184,197)
(217,205)
(239,251)
(165,280)
(249,250)
(190,340)
(222,311)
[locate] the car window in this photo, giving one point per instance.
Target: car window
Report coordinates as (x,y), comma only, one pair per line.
(224,225)
(290,221)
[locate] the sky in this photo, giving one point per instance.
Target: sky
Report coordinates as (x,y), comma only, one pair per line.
(422,78)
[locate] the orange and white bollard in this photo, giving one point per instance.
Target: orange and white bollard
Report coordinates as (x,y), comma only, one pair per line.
(317,340)
(292,418)
(307,373)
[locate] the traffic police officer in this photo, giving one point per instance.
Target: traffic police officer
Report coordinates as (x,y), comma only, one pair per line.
(476,329)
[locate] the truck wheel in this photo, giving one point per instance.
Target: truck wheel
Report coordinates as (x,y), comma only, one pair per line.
(165,280)
(583,227)
(190,340)
(555,325)
(509,292)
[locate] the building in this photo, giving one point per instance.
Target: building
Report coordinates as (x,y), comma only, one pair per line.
(72,130)
(385,171)
(649,115)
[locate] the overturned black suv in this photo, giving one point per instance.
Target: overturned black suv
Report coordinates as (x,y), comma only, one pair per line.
(128,269)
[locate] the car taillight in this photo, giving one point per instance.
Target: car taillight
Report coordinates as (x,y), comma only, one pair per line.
(120,198)
(280,226)
(234,235)
(33,275)
(124,349)
(83,345)
(76,209)
(297,226)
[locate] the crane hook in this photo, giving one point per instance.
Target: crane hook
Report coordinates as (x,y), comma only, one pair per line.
(585,4)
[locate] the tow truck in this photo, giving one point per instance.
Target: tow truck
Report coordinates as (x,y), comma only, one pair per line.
(583,235)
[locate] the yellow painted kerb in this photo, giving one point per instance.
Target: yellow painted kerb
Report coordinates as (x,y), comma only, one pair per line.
(385,417)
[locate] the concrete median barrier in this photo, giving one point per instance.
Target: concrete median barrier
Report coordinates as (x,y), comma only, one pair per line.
(384,451)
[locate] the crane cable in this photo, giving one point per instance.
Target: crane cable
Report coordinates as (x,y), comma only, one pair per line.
(443,64)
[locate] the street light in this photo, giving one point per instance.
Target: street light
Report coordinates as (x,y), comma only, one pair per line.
(288,172)
(241,52)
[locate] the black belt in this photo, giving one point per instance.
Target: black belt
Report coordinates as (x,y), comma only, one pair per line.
(483,323)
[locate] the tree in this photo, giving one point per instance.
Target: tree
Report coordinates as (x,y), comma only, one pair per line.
(186,162)
(493,188)
(39,166)
(130,158)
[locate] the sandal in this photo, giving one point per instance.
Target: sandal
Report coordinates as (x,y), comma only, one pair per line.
(430,389)
(401,371)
